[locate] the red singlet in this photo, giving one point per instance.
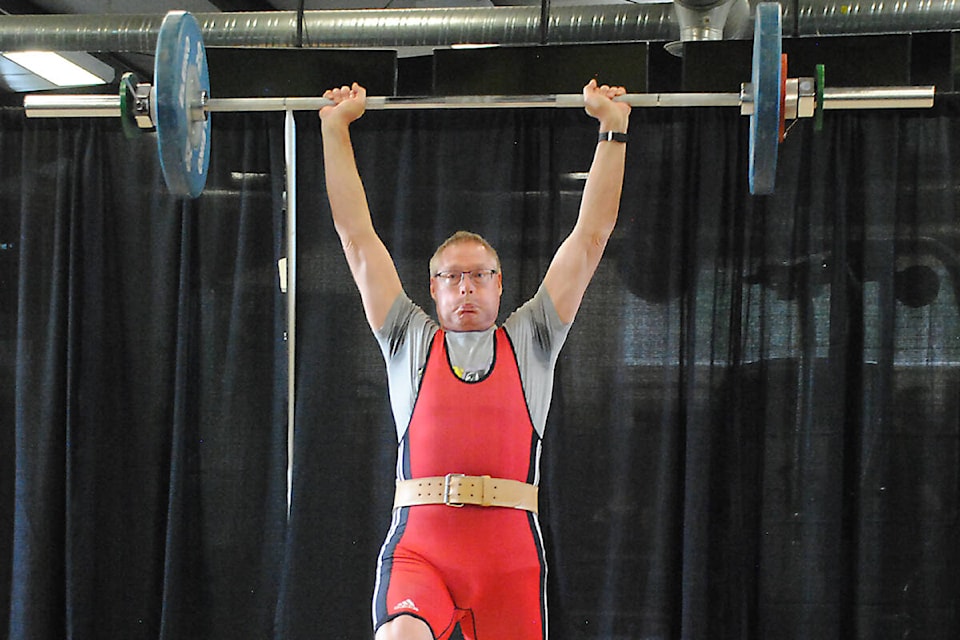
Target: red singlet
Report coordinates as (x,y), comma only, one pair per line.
(480,566)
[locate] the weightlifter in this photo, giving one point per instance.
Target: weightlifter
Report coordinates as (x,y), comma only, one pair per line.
(469,399)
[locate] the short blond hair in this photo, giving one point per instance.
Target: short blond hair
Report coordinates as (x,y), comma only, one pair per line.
(461,237)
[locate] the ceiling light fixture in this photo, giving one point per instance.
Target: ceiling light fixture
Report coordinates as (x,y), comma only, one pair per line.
(474,45)
(74,69)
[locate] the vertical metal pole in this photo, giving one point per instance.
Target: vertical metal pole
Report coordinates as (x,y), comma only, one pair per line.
(544,21)
(290,161)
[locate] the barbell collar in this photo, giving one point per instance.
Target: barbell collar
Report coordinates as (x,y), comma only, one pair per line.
(142,111)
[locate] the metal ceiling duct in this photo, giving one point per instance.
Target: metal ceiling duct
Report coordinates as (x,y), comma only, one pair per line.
(839,17)
(707,19)
(440,27)
(347,28)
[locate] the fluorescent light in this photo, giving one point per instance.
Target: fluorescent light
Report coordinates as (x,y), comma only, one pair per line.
(60,70)
(474,45)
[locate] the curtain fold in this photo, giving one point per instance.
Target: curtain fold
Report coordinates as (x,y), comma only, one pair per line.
(755,430)
(133,468)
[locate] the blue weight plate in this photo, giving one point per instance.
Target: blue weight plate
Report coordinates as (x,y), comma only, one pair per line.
(180,78)
(767,96)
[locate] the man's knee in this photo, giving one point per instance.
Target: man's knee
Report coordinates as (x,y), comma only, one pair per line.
(404,628)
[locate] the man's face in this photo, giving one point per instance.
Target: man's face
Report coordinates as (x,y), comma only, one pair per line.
(465,304)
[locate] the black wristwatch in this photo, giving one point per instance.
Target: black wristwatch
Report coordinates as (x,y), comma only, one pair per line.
(613,136)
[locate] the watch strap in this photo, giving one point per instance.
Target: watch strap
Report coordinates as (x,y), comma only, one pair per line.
(613,136)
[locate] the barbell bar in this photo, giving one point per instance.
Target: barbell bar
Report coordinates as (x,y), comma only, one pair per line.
(179,103)
(109,106)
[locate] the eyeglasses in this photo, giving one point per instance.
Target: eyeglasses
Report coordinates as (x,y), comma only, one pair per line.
(480,277)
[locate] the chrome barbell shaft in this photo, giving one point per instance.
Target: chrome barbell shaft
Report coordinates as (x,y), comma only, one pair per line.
(878,97)
(71,106)
(376,103)
(60,106)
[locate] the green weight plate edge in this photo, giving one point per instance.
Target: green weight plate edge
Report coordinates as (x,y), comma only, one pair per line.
(180,76)
(818,113)
(767,89)
(128,99)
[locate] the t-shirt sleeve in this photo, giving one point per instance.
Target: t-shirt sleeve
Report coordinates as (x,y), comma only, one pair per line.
(537,334)
(404,342)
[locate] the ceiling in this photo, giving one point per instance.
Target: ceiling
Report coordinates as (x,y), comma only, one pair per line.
(801,18)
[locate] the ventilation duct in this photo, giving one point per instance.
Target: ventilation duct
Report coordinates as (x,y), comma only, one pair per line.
(440,27)
(348,28)
(836,17)
(711,19)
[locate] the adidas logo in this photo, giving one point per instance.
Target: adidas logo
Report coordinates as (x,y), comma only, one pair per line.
(406,604)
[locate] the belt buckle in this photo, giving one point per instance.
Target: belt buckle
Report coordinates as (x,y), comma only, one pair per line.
(446,489)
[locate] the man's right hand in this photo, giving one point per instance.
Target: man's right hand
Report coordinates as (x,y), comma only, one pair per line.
(349,103)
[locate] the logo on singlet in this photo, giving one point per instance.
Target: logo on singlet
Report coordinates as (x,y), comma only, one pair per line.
(406,604)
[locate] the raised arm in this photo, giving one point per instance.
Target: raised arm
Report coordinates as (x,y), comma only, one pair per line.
(370,263)
(578,256)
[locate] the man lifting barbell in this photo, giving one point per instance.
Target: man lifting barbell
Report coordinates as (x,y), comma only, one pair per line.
(470,400)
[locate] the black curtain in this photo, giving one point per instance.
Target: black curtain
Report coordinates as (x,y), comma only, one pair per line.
(755,429)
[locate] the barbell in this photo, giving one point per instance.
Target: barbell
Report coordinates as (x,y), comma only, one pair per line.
(179,103)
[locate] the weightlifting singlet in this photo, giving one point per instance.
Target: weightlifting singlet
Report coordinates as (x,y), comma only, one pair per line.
(480,566)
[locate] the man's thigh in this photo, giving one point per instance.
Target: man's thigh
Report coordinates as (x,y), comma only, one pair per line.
(412,587)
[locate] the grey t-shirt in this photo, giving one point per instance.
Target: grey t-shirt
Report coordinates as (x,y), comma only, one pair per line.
(534,329)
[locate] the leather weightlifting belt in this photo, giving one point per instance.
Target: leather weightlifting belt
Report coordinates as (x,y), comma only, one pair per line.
(457,490)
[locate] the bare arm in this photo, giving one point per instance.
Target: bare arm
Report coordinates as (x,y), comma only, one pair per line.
(577,258)
(370,263)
